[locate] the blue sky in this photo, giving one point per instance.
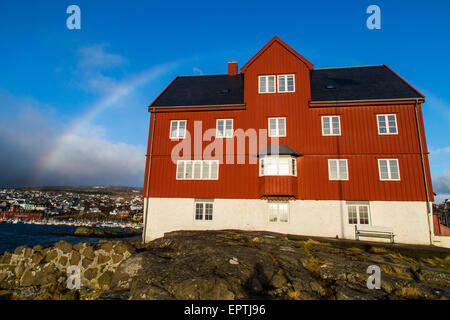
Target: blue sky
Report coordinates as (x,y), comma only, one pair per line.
(52,78)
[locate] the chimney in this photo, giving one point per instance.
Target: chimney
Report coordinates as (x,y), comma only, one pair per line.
(232,68)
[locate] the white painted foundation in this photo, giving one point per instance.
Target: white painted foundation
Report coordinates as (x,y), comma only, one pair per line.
(323,218)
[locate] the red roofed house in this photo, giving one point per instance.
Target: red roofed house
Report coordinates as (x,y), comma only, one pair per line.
(284,147)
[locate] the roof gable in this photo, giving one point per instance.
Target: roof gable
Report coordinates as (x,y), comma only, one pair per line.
(283,44)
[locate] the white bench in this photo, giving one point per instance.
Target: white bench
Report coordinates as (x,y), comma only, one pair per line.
(374,231)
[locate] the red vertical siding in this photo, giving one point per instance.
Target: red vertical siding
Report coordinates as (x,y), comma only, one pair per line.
(359,142)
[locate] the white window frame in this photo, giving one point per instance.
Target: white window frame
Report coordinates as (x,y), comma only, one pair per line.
(203,203)
(178,129)
(277,127)
(331,126)
(285,82)
(338,171)
(388,130)
(292,163)
(224,128)
(358,215)
(277,204)
(389,169)
(193,162)
(267,84)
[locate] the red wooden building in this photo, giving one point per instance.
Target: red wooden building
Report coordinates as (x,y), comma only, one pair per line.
(285,147)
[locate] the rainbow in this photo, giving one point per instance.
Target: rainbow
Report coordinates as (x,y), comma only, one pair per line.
(119,92)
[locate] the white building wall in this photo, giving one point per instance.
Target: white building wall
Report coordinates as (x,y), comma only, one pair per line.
(323,218)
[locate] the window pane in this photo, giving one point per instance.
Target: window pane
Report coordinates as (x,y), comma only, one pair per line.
(173,129)
(220,128)
(335,122)
(205,172)
(180,169)
(188,173)
(229,128)
(273,127)
(281,83)
(392,124)
(281,126)
(393,165)
(342,169)
(283,166)
(271,84)
(273,212)
(208,211)
(271,166)
(352,216)
(333,169)
(382,124)
(326,125)
(262,84)
(384,174)
(181,128)
(363,215)
(197,169)
(290,83)
(199,211)
(283,212)
(214,170)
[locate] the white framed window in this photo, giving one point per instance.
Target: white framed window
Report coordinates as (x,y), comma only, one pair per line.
(277,166)
(337,169)
(286,83)
(331,125)
(388,169)
(197,169)
(358,214)
(387,124)
(266,84)
(177,129)
(203,210)
(278,211)
(277,127)
(224,128)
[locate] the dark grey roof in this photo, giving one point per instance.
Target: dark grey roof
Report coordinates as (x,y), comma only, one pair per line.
(354,83)
(359,83)
(203,91)
(281,149)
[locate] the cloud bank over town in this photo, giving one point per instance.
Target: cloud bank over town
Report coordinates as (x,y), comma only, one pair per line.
(30,130)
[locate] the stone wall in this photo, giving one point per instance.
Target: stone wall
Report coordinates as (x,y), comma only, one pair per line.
(41,271)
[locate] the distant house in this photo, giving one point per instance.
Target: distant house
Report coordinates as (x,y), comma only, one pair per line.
(344,147)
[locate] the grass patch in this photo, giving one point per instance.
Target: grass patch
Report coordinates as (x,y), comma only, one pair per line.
(356,250)
(395,271)
(409,293)
(378,250)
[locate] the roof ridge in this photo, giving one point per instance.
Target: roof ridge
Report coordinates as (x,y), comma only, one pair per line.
(374,65)
(208,75)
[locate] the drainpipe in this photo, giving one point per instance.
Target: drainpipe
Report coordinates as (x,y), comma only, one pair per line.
(424,173)
(148,177)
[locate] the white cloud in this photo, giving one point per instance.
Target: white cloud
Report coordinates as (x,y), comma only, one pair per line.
(441,183)
(95,56)
(197,70)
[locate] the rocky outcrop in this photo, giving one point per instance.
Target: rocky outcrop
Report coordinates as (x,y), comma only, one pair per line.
(247,265)
(225,265)
(95,232)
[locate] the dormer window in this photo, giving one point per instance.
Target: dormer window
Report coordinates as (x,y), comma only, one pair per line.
(267,84)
